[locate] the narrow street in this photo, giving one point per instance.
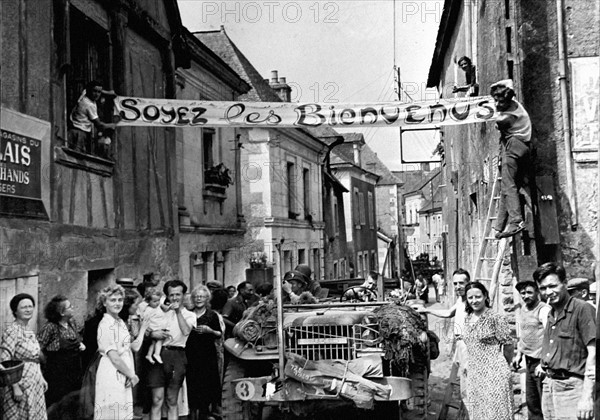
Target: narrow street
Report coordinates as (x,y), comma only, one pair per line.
(440,367)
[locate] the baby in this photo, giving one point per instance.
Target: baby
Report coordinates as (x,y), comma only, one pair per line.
(155,314)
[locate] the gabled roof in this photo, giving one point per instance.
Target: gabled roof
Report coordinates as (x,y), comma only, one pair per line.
(220,43)
(421,181)
(324,133)
(371,161)
(344,153)
(354,138)
(208,59)
(448,23)
(430,206)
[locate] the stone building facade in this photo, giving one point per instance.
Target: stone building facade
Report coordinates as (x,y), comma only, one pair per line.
(281,175)
(520,40)
(211,223)
(88,219)
(359,204)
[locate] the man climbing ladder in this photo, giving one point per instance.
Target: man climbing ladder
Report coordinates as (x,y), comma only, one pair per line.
(515,143)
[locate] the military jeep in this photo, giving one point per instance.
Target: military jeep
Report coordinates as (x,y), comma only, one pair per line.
(255,386)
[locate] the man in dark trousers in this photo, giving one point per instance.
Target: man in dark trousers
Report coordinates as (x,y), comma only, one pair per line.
(531,322)
(568,362)
(514,125)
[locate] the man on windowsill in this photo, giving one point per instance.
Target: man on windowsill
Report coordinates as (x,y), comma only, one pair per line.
(84,117)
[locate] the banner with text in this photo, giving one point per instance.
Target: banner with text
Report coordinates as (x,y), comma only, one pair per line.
(186,113)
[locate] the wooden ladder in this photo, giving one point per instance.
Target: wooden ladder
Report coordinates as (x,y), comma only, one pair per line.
(452,398)
(490,277)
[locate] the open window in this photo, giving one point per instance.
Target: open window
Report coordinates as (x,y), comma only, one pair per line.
(89,60)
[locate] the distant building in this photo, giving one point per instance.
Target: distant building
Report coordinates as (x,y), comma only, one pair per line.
(422,222)
(388,213)
(211,224)
(359,204)
(281,174)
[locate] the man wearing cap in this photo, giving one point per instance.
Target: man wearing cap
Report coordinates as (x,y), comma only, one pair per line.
(294,283)
(235,307)
(531,322)
(515,140)
(568,359)
(579,288)
(312,286)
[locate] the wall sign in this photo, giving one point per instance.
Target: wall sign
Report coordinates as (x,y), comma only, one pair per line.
(585,87)
(24,180)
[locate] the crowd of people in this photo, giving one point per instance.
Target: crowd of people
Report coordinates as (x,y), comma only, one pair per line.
(556,324)
(132,354)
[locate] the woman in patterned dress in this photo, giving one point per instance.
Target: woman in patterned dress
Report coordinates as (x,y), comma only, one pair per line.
(115,376)
(62,346)
(489,386)
(23,400)
(204,382)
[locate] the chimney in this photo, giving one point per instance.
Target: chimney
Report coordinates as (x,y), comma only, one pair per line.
(356,149)
(280,86)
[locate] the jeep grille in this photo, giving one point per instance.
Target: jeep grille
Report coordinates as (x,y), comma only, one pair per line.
(318,342)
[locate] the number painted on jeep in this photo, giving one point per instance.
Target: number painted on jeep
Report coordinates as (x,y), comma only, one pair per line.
(245,390)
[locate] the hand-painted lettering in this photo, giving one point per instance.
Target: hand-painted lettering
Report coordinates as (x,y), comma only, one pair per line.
(485,106)
(151,113)
(169,112)
(129,104)
(437,109)
(411,112)
(198,120)
(182,112)
(368,111)
(308,115)
(456,115)
(390,118)
(348,116)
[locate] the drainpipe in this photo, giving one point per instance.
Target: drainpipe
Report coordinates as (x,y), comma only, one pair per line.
(566,115)
(238,179)
(597,265)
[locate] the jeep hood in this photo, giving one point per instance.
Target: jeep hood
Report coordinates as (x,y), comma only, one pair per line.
(326,317)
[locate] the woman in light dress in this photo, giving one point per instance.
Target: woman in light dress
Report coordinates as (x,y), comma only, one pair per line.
(116,375)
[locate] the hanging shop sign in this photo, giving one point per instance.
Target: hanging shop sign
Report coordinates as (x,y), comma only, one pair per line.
(24,143)
(185,113)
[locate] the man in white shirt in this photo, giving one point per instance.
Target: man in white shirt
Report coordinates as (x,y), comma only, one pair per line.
(84,117)
(460,279)
(531,322)
(168,377)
